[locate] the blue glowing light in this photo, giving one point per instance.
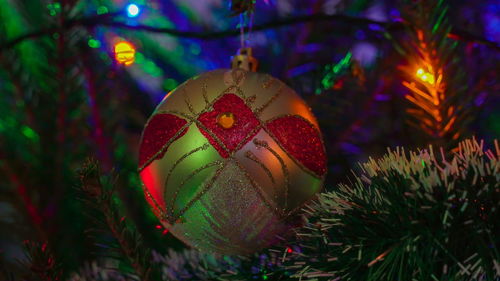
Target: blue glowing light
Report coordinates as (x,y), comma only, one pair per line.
(133,10)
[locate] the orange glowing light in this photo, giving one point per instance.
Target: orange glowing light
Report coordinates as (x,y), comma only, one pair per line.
(124,53)
(425,76)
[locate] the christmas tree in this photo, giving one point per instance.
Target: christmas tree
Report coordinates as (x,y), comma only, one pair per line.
(405,94)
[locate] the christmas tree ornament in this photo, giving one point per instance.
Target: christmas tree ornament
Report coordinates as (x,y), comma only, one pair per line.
(229,157)
(244,60)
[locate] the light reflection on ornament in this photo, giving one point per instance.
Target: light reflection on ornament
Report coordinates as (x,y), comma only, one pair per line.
(124,53)
(133,10)
(425,76)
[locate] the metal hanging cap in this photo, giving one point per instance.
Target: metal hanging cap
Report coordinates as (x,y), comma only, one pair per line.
(244,60)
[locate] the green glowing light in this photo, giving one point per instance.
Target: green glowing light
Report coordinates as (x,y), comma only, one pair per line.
(139,58)
(264,277)
(157,72)
(29,133)
(149,67)
(169,84)
(333,71)
(54,8)
(102,10)
(423,163)
(93,43)
(343,63)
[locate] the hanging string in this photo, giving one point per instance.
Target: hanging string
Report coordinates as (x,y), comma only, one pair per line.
(242,32)
(245,22)
(250,25)
(244,59)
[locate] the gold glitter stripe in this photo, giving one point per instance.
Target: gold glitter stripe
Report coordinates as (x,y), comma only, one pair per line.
(215,137)
(233,90)
(182,158)
(197,122)
(157,209)
(245,140)
(270,81)
(250,100)
(261,108)
(176,112)
(262,143)
(250,155)
(190,176)
(187,101)
(206,187)
(238,75)
(204,88)
(164,147)
(275,210)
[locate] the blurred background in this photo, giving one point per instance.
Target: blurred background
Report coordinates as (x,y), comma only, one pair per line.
(79,79)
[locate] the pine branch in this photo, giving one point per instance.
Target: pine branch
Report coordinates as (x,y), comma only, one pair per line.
(100,195)
(408,216)
(440,101)
(109,21)
(43,265)
(195,265)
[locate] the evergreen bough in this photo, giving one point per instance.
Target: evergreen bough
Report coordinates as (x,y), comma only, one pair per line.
(408,216)
(418,215)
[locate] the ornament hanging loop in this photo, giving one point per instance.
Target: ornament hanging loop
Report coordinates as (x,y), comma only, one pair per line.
(244,60)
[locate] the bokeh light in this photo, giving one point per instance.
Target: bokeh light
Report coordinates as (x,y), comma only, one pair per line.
(425,76)
(133,10)
(124,53)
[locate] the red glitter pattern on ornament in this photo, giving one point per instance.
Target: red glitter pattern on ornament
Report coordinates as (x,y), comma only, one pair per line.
(245,123)
(301,139)
(158,132)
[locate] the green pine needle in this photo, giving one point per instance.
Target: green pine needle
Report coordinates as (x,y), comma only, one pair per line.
(408,216)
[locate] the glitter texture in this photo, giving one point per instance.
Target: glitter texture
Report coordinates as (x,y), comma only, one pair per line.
(161,130)
(245,123)
(299,138)
(252,157)
(231,217)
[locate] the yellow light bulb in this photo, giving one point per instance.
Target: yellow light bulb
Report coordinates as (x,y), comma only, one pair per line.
(420,71)
(124,53)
